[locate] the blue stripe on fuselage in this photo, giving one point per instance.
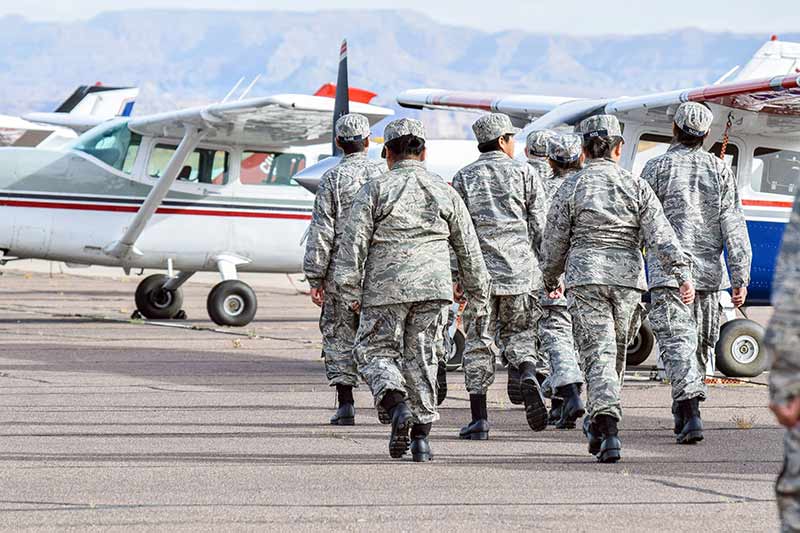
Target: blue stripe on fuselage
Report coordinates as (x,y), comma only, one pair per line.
(765,239)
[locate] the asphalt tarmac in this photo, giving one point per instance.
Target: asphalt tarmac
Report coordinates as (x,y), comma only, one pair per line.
(108,424)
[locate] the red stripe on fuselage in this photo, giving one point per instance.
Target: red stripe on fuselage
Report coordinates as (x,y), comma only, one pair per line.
(159,211)
(767,203)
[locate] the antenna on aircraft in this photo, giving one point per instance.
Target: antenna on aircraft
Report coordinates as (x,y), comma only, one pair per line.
(249,87)
(233,90)
(342,104)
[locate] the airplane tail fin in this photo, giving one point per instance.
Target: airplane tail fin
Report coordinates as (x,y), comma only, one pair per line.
(100,101)
(362,96)
(342,103)
(774,58)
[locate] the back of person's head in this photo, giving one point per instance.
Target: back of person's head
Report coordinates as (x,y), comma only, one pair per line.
(601,135)
(404,138)
(537,141)
(564,152)
(352,133)
(692,124)
(489,129)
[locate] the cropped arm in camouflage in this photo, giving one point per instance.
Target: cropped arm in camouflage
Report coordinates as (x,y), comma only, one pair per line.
(320,235)
(660,237)
(734,231)
(354,247)
(537,209)
(464,242)
(559,232)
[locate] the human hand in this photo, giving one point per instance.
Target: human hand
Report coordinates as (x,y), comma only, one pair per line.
(788,414)
(557,293)
(687,292)
(317,296)
(739,296)
(458,293)
(355,306)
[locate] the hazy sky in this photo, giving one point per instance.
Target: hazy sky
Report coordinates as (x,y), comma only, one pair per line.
(572,16)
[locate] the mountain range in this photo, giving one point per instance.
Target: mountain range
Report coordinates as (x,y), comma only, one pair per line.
(182,58)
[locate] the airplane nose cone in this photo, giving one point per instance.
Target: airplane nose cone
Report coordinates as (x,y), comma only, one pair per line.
(309,177)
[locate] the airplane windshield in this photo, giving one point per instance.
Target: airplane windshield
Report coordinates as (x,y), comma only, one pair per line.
(113,144)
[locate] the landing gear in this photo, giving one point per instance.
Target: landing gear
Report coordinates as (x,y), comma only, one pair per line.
(740,349)
(155,301)
(642,344)
(457,358)
(232,303)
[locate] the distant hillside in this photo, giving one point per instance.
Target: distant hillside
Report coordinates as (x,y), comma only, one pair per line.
(182,58)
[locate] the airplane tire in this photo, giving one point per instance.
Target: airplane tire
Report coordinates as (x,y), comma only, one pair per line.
(740,349)
(154,302)
(457,359)
(232,303)
(642,344)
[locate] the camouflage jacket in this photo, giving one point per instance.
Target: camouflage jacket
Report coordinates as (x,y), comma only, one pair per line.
(337,188)
(595,229)
(542,168)
(507,205)
(551,184)
(783,332)
(395,245)
(701,200)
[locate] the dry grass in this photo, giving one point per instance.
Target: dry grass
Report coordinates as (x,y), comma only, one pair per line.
(743,422)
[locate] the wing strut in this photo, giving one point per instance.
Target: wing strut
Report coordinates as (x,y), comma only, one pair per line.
(125,246)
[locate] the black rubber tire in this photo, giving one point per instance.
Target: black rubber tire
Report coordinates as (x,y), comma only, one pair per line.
(155,303)
(241,294)
(741,334)
(455,362)
(640,347)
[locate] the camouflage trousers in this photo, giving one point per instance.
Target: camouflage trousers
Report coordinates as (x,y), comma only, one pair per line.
(338,324)
(558,346)
(603,317)
(787,488)
(676,331)
(510,326)
(707,313)
(398,348)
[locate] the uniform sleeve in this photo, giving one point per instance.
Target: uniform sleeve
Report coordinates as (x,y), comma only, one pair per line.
(354,247)
(659,237)
(783,332)
(321,234)
(537,209)
(734,230)
(458,186)
(465,246)
(559,233)
(650,175)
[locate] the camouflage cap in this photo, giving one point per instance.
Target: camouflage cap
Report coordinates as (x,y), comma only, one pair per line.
(352,127)
(693,118)
(492,126)
(537,141)
(565,148)
(599,126)
(403,126)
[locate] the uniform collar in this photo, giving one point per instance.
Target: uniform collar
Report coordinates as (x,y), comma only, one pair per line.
(355,155)
(408,163)
(601,161)
(494,154)
(683,148)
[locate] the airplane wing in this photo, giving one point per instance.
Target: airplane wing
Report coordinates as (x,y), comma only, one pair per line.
(274,121)
(77,123)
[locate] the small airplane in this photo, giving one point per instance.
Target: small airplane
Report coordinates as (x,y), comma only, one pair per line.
(201,189)
(756,129)
(87,106)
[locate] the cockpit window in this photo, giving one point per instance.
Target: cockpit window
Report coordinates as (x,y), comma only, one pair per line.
(113,144)
(776,171)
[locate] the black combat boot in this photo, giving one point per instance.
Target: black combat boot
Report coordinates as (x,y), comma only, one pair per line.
(692,430)
(478,429)
(593,435)
(383,415)
(535,408)
(402,419)
(514,392)
(441,381)
(677,418)
(420,447)
(556,405)
(346,413)
(573,405)
(611,445)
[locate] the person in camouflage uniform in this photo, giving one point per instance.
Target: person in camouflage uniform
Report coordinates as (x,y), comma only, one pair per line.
(564,158)
(337,321)
(595,226)
(701,201)
(507,205)
(781,341)
(394,266)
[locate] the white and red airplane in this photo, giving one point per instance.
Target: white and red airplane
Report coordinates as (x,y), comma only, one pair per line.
(757,124)
(201,189)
